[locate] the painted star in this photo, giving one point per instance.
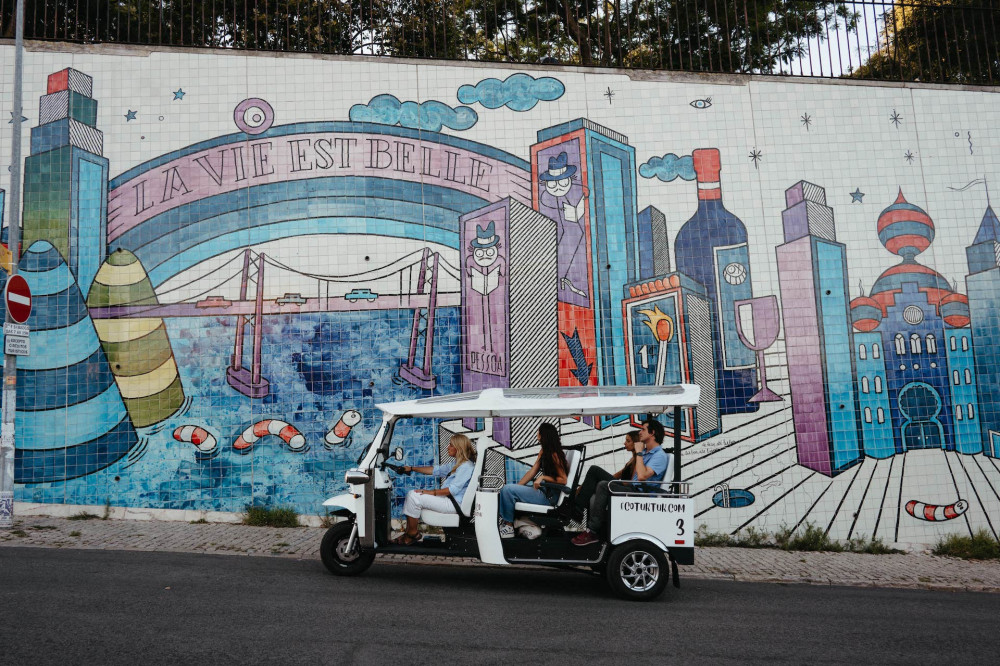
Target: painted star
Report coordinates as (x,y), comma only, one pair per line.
(895,118)
(11,121)
(756,156)
(857,196)
(130,115)
(908,156)
(806,120)
(179,94)
(609,93)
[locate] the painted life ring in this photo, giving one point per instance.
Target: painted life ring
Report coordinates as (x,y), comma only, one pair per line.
(288,433)
(202,439)
(935,513)
(339,433)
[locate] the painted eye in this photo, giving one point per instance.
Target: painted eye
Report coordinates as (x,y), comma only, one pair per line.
(702,103)
(735,273)
(480,254)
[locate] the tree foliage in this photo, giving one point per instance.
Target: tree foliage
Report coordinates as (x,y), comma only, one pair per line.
(945,41)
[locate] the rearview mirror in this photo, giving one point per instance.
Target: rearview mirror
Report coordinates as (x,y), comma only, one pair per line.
(398,453)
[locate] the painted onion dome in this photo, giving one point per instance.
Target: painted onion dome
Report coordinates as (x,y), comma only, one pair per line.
(866,314)
(954,309)
(907,230)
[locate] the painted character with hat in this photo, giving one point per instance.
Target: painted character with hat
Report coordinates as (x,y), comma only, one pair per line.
(485,267)
(558,181)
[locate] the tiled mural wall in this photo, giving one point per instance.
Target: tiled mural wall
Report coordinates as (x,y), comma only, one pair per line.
(235,257)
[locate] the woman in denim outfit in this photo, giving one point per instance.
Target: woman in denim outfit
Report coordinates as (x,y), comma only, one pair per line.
(551,462)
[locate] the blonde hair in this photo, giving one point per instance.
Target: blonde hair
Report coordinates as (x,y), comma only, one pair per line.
(464,451)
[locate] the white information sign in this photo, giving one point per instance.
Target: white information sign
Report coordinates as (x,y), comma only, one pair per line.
(10,328)
(16,345)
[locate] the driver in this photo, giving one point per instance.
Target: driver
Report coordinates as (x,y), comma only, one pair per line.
(651,463)
(456,481)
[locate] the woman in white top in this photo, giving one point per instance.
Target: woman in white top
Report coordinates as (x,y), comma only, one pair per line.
(456,481)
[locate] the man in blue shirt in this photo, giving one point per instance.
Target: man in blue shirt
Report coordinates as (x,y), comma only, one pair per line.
(651,463)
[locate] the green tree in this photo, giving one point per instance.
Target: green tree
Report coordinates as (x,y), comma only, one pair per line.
(944,41)
(699,35)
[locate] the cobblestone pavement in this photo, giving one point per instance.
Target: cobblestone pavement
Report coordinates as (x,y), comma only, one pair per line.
(914,570)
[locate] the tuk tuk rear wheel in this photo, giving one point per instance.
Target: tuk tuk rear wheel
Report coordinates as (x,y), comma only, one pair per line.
(337,559)
(637,571)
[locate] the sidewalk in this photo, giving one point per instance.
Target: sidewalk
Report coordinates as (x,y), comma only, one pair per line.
(752,565)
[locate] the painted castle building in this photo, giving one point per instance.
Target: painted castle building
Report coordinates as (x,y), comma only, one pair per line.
(916,379)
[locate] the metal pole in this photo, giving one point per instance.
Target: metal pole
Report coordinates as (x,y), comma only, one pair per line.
(677,444)
(14,241)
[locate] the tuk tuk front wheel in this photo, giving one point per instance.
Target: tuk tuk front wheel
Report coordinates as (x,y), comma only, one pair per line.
(637,571)
(337,558)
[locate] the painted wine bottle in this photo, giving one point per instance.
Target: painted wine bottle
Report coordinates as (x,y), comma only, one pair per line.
(711,247)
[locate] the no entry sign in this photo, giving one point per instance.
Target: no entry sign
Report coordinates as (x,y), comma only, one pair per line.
(17,296)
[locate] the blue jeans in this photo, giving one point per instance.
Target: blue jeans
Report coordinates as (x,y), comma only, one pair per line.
(513,493)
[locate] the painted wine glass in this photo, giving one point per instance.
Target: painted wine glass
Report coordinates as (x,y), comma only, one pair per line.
(758,324)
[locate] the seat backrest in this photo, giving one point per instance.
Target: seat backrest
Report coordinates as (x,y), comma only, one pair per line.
(574,461)
(481,445)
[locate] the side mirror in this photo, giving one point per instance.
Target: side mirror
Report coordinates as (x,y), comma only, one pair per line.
(398,453)
(356,477)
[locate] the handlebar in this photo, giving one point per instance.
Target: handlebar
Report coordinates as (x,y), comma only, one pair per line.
(666,488)
(398,469)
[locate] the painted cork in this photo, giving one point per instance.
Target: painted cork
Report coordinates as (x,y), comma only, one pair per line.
(138,348)
(65,380)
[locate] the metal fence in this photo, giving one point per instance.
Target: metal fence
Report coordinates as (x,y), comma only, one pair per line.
(946,41)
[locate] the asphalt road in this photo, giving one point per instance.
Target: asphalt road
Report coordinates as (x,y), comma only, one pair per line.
(103,607)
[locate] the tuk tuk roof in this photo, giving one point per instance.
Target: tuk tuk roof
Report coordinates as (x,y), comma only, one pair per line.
(565,401)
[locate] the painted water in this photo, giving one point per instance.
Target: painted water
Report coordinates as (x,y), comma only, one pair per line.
(319,365)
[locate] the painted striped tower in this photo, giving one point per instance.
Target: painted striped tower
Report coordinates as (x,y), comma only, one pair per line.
(137,348)
(70,418)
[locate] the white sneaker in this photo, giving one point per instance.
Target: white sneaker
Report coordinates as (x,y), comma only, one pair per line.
(506,530)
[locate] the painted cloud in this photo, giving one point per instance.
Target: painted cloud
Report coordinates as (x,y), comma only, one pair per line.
(668,167)
(518,92)
(431,115)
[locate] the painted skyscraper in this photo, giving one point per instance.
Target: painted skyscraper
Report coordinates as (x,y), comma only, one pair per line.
(983,285)
(66,177)
(584,178)
(654,243)
(711,247)
(812,273)
(509,327)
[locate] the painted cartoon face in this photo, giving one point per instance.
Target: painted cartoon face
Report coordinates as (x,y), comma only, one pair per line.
(558,188)
(484,256)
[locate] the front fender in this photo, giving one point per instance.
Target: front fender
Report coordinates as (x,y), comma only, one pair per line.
(640,536)
(348,502)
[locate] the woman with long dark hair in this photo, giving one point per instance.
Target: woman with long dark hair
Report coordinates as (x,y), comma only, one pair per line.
(551,462)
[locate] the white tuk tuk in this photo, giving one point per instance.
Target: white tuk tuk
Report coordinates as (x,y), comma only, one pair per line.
(648,532)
